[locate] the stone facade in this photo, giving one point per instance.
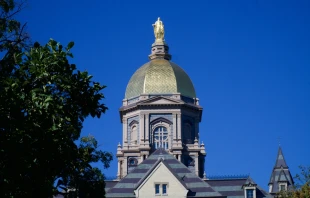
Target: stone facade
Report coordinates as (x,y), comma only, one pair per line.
(180,119)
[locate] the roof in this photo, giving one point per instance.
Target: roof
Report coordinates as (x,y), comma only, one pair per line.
(233,188)
(195,185)
(160,76)
(280,173)
(280,159)
(109,184)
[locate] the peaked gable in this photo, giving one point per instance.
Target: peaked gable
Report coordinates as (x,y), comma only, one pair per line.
(160,100)
(196,186)
(282,176)
(161,174)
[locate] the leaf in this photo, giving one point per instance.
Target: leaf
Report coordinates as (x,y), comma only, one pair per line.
(70,45)
(48,99)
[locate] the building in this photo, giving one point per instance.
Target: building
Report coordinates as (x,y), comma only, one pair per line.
(161,153)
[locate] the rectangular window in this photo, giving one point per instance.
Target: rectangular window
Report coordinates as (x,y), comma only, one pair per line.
(249,193)
(164,189)
(157,189)
(282,187)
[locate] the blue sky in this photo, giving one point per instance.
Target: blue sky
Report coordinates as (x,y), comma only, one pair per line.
(249,62)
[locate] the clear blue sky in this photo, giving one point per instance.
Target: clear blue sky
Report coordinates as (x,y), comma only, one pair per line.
(249,62)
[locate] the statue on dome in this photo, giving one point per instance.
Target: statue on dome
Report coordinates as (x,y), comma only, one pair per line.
(159,30)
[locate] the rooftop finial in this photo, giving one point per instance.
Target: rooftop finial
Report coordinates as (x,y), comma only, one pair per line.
(159,30)
(160,49)
(204,175)
(279,140)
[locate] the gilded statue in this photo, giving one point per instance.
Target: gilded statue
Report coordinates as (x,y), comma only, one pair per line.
(159,30)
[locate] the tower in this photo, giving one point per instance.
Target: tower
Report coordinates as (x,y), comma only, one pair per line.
(281,178)
(160,110)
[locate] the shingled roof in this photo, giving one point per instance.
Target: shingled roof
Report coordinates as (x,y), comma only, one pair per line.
(196,186)
(232,188)
(280,173)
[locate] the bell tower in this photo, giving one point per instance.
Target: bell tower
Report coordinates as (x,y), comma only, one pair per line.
(160,110)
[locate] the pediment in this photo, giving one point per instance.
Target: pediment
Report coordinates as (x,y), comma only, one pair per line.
(160,101)
(161,175)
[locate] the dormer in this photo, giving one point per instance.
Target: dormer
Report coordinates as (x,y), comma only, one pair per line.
(249,188)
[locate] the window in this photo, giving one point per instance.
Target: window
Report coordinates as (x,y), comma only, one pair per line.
(161,137)
(282,187)
(133,134)
(164,189)
(188,133)
(157,189)
(249,193)
(131,162)
(161,189)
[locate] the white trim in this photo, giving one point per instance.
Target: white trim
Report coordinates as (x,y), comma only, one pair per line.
(162,124)
(270,188)
(151,174)
(282,183)
(250,188)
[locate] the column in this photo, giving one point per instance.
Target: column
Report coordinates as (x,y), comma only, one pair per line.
(147,126)
(174,127)
(196,166)
(141,130)
(179,128)
(125,165)
(125,131)
(118,169)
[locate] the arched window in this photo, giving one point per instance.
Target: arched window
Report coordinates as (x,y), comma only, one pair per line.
(133,134)
(160,137)
(188,133)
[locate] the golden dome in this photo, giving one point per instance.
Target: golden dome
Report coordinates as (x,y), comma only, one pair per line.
(160,76)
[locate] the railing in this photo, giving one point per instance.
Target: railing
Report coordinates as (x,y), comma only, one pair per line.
(227,177)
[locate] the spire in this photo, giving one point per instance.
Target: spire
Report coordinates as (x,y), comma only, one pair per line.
(160,50)
(280,159)
(280,175)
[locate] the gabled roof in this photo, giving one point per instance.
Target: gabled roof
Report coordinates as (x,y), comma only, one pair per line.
(282,176)
(195,185)
(249,182)
(280,173)
(233,188)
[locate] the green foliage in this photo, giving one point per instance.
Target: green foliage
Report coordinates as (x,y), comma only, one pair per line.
(85,181)
(43,102)
(302,188)
(12,36)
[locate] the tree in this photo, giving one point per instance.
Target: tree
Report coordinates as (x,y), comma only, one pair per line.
(43,102)
(13,37)
(302,188)
(85,181)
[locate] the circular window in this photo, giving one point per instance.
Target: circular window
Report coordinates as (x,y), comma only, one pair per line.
(132,161)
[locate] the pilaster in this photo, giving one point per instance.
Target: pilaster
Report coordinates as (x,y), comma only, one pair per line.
(141,130)
(147,127)
(125,138)
(174,142)
(179,130)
